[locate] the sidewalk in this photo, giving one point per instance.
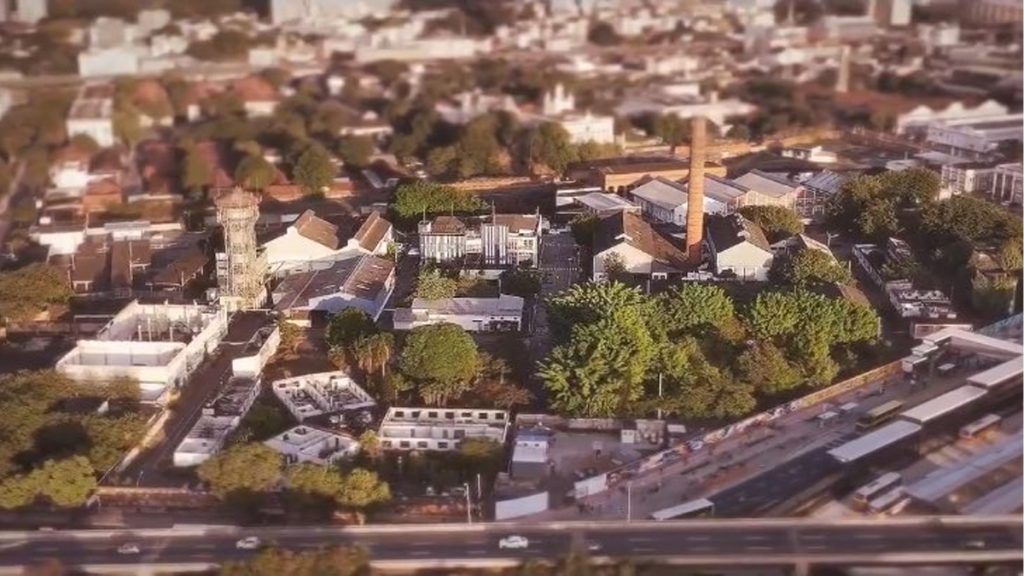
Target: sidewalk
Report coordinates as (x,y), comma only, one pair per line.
(743,456)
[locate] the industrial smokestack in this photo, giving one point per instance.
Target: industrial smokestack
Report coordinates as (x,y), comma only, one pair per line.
(695,197)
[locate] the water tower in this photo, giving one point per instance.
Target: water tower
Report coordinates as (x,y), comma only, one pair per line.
(241,268)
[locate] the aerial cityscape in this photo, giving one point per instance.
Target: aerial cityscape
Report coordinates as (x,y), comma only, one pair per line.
(512,287)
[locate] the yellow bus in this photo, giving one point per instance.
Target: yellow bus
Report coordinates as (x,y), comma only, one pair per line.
(879,415)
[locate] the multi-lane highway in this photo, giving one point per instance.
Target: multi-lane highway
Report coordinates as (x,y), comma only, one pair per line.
(695,542)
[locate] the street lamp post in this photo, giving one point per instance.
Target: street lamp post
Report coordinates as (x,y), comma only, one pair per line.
(469,504)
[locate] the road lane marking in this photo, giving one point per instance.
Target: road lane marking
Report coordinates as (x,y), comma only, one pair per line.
(764,548)
(643,549)
(756,537)
(702,547)
(699,538)
(419,553)
(476,552)
(641,539)
(868,536)
(815,547)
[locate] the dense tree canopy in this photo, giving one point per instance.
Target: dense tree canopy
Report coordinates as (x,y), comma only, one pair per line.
(971,219)
(417,198)
(242,471)
(322,562)
(442,359)
(693,308)
(877,207)
(26,292)
(348,326)
(63,483)
(811,267)
(778,222)
(314,170)
(431,284)
(356,150)
(254,172)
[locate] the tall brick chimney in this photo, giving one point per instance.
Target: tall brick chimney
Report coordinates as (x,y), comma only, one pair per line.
(695,196)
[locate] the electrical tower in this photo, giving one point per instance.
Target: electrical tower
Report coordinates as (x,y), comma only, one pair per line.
(241,268)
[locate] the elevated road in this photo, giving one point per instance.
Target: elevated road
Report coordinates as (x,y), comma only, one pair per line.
(750,542)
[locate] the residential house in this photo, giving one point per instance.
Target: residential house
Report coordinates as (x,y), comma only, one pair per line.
(259,97)
(92,114)
(492,241)
(641,248)
(501,314)
(364,282)
(738,247)
(375,236)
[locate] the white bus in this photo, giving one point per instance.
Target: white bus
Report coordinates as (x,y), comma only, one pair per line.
(886,501)
(692,509)
(884,482)
(980,426)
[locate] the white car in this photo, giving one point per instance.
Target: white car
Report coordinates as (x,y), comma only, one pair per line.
(250,543)
(128,549)
(513,542)
(594,547)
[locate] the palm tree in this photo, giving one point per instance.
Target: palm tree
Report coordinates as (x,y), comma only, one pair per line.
(374,352)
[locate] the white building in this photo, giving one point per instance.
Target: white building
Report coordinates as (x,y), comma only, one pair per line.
(940,35)
(92,114)
(1007,183)
(661,103)
(287,11)
(159,345)
(602,202)
(220,417)
(440,429)
(113,61)
(501,314)
(975,137)
(303,444)
(305,242)
(588,127)
(362,281)
(322,396)
(965,178)
(665,201)
(642,249)
(26,11)
(737,247)
(496,240)
(920,118)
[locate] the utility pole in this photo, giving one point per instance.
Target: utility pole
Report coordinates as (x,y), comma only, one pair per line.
(629,501)
(469,504)
(659,395)
(479,483)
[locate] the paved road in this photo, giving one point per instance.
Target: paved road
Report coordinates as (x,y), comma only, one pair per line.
(733,542)
(202,386)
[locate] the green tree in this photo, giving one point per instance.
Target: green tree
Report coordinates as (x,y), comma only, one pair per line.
(778,222)
(550,147)
(968,218)
(603,34)
(591,150)
(242,471)
(441,161)
(672,130)
(369,444)
(84,142)
(28,291)
(765,367)
(355,150)
(313,486)
(1010,256)
(195,172)
(314,170)
(442,358)
(321,562)
(809,267)
(694,308)
(590,302)
(695,389)
(421,197)
(481,455)
(615,268)
(254,172)
(600,370)
(110,437)
(361,489)
(583,227)
(432,285)
(291,335)
(494,386)
(64,483)
(223,46)
(373,352)
(349,326)
(520,282)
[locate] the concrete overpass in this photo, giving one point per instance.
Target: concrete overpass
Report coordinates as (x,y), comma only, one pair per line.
(796,543)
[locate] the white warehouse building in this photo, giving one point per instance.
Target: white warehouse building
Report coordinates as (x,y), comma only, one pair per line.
(159,345)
